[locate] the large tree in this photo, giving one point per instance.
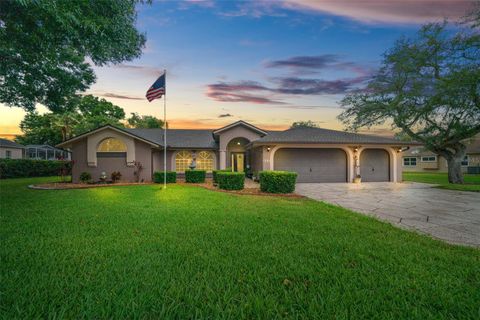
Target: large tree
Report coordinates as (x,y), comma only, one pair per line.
(45,46)
(82,114)
(429,88)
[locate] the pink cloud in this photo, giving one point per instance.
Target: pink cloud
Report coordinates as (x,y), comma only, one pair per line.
(387,11)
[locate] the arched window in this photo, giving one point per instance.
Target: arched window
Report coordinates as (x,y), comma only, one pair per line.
(205,160)
(111,145)
(182,160)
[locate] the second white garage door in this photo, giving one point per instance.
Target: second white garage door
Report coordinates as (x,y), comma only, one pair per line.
(313,165)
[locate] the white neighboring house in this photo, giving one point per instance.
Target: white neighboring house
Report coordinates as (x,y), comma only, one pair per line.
(11,150)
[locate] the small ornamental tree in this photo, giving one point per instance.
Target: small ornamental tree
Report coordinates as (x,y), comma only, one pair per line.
(429,88)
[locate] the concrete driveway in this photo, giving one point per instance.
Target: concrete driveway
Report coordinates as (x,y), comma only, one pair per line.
(453,216)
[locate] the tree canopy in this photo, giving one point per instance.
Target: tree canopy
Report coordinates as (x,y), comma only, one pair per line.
(304,124)
(45,47)
(429,88)
(137,121)
(83,114)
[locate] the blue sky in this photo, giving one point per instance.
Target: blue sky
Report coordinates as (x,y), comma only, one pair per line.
(267,62)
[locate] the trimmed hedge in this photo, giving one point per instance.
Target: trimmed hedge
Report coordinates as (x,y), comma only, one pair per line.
(277,181)
(215,172)
(231,180)
(158,177)
(24,168)
(195,176)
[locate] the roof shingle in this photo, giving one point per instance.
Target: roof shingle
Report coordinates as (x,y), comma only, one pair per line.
(179,138)
(10,144)
(320,135)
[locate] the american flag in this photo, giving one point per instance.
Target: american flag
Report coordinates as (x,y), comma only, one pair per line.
(157,90)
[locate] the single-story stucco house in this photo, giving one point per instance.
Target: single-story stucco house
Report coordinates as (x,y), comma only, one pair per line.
(418,159)
(317,155)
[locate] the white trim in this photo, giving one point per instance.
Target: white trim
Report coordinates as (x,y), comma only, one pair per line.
(392,158)
(429,161)
(239,123)
(86,134)
(174,155)
(409,165)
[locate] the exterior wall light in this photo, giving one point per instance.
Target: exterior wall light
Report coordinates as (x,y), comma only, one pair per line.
(268,149)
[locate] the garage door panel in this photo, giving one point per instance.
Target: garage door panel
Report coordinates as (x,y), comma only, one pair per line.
(375,165)
(313,165)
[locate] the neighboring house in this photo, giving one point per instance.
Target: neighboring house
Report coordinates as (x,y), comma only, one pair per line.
(10,149)
(420,159)
(317,155)
(45,152)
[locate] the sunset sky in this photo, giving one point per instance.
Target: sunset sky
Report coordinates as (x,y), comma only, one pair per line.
(266,62)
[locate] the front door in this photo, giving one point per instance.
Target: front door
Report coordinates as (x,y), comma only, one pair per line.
(238,161)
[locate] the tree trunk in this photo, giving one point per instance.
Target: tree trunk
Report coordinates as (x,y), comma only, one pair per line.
(455,174)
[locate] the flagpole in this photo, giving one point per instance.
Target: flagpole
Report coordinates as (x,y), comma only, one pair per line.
(165,132)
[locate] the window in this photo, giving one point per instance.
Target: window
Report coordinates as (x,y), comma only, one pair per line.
(182,160)
(465,161)
(410,161)
(8,154)
(429,159)
(112,145)
(205,160)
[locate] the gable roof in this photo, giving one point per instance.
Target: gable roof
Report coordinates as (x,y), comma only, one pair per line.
(179,138)
(108,126)
(240,123)
(327,136)
(10,144)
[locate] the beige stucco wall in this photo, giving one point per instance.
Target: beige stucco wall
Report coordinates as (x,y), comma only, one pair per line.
(109,164)
(226,136)
(353,157)
(94,140)
(439,166)
(15,153)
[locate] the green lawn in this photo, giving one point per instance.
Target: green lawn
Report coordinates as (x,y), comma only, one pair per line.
(472,181)
(187,252)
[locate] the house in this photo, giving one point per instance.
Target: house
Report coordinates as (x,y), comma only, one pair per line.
(317,155)
(10,149)
(418,159)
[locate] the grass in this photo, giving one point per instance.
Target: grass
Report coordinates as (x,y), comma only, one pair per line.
(472,181)
(187,252)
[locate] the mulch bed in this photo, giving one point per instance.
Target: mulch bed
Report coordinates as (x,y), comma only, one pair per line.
(208,184)
(247,191)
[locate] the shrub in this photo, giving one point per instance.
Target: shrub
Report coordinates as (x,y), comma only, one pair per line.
(23,168)
(195,176)
(85,177)
(215,172)
(277,181)
(171,177)
(115,176)
(231,180)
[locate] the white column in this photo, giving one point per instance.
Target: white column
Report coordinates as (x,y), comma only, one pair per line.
(223,159)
